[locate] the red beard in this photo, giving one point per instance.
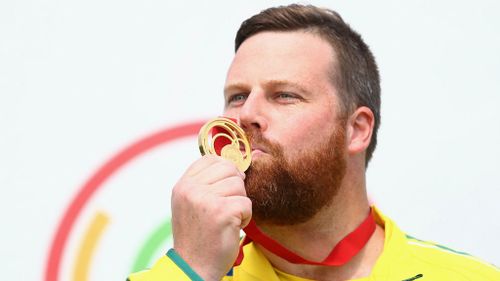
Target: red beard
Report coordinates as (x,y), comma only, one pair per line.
(292,192)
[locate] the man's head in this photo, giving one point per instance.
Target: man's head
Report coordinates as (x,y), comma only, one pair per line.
(299,90)
(355,75)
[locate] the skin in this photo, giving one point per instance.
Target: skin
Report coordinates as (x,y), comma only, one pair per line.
(278,84)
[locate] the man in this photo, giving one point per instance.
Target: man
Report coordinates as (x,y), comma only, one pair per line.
(305,87)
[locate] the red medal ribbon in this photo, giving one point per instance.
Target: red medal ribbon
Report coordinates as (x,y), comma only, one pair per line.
(343,252)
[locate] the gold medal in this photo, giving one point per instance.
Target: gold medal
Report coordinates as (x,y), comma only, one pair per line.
(222,136)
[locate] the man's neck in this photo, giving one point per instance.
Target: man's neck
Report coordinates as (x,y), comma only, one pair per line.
(315,239)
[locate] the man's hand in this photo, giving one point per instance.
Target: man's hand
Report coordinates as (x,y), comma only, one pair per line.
(209,208)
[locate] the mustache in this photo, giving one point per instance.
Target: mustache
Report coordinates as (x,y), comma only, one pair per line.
(257,140)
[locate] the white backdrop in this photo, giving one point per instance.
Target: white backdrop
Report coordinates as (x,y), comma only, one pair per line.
(80,81)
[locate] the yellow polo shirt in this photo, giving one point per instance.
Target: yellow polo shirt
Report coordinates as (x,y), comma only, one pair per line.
(404,258)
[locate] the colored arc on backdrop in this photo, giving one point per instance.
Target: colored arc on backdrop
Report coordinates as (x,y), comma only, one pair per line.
(85,193)
(93,234)
(153,242)
(88,246)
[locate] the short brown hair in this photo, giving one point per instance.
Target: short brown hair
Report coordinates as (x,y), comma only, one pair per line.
(357,79)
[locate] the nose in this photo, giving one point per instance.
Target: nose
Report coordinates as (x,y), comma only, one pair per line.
(253,115)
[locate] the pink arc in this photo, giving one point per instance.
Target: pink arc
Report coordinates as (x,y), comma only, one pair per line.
(86,192)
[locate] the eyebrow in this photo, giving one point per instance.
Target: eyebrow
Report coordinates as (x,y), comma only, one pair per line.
(235,87)
(239,87)
(278,83)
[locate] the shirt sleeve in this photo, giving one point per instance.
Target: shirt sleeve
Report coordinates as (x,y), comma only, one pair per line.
(169,267)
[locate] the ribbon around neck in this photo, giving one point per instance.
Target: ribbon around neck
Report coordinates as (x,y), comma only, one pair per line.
(342,253)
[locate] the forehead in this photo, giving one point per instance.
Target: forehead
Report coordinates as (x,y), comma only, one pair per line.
(295,56)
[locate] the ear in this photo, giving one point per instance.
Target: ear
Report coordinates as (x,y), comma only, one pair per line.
(359,130)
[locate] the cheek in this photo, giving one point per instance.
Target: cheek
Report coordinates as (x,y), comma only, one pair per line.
(230,113)
(304,133)
(312,125)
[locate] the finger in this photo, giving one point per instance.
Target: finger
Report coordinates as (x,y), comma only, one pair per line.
(201,164)
(218,171)
(241,207)
(231,186)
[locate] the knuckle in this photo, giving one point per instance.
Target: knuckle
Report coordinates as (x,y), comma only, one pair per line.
(236,181)
(220,215)
(180,189)
(226,166)
(187,193)
(199,200)
(248,204)
(239,185)
(229,165)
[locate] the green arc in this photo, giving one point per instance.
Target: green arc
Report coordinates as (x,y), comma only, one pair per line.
(145,256)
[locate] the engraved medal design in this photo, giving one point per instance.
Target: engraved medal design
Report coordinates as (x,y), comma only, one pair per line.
(222,136)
